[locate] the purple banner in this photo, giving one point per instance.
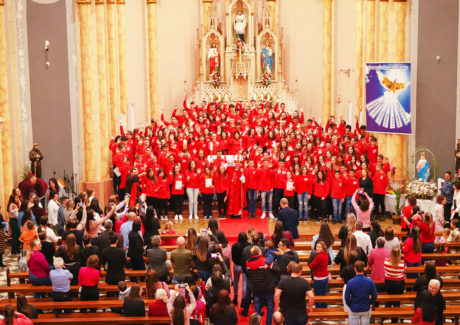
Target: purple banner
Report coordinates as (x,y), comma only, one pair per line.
(388,97)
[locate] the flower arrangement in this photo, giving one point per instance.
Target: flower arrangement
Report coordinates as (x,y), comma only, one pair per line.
(422,190)
(268,99)
(239,46)
(266,78)
(396,190)
(216,79)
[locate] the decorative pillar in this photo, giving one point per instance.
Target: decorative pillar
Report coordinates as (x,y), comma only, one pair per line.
(384,139)
(359,29)
(112,51)
(152,57)
(122,65)
(399,142)
(6,177)
(89,84)
(103,88)
(327,59)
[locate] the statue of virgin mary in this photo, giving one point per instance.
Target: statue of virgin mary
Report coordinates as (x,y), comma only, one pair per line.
(423,168)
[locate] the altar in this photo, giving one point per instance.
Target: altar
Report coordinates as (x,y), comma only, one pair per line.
(241,54)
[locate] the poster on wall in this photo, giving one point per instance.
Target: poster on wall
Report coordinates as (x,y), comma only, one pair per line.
(388,97)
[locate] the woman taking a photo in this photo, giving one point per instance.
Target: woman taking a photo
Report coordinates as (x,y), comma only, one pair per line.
(364,209)
(178,311)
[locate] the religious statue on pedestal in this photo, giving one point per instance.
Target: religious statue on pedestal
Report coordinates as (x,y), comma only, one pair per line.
(267,59)
(240,25)
(423,168)
(214,60)
(36,157)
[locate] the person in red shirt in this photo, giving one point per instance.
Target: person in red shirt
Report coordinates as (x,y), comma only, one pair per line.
(163,193)
(221,181)
(148,187)
(250,175)
(235,195)
(207,191)
(303,184)
(89,277)
(351,185)
(406,213)
(427,228)
(380,180)
(337,195)
(289,189)
(321,191)
(192,182)
(265,177)
(373,151)
(320,273)
(177,192)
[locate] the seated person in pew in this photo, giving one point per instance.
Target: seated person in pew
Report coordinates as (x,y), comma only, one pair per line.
(432,295)
(133,305)
(60,280)
(12,318)
(158,307)
(26,308)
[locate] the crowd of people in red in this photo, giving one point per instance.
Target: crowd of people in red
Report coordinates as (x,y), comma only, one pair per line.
(240,150)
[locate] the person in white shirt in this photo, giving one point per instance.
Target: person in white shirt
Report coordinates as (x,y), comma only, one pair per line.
(363,240)
(53,208)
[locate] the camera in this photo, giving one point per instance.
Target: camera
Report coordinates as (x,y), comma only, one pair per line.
(214,255)
(182,285)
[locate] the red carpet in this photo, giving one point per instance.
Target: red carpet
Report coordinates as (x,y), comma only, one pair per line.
(232,227)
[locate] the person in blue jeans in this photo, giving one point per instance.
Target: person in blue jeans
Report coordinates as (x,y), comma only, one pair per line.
(360,295)
(337,195)
(319,267)
(262,282)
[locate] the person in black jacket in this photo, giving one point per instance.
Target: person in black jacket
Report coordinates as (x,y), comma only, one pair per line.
(114,260)
(151,225)
(237,253)
(261,282)
(136,249)
(88,250)
(134,306)
(256,241)
(103,239)
(286,255)
(289,217)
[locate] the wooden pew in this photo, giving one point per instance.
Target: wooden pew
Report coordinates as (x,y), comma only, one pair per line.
(433,256)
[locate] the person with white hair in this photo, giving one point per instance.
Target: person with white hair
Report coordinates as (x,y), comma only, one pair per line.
(432,296)
(158,307)
(60,280)
(182,261)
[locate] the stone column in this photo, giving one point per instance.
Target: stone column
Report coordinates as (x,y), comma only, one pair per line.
(89,86)
(103,94)
(327,59)
(359,52)
(399,142)
(112,51)
(122,64)
(152,57)
(6,177)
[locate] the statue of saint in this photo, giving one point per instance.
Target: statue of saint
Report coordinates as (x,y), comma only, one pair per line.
(240,25)
(36,157)
(267,58)
(214,59)
(423,168)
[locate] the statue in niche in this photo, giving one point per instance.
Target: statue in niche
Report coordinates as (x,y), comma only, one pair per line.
(423,168)
(240,25)
(214,59)
(267,58)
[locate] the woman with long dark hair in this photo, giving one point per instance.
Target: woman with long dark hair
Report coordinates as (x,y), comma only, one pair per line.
(136,248)
(222,312)
(350,253)
(427,229)
(177,192)
(163,194)
(12,318)
(202,259)
(325,235)
(280,233)
(221,182)
(192,180)
(133,306)
(151,225)
(320,273)
(153,283)
(178,311)
(25,308)
(207,191)
(428,275)
(413,251)
(13,210)
(321,191)
(149,181)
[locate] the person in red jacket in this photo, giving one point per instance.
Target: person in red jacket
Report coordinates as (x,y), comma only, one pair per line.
(148,182)
(303,184)
(337,195)
(221,182)
(320,273)
(163,193)
(289,189)
(207,191)
(351,185)
(380,180)
(192,182)
(265,177)
(250,174)
(321,192)
(177,192)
